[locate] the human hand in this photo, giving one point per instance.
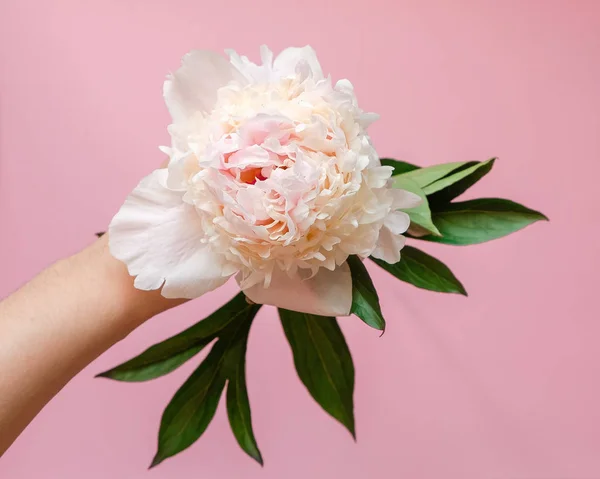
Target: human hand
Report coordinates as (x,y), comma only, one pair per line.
(58,323)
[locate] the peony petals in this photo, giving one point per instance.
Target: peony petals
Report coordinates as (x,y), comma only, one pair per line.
(328,293)
(366,119)
(251,156)
(378,176)
(160,239)
(180,169)
(266,55)
(403,200)
(193,87)
(291,58)
(199,273)
(388,246)
(271,169)
(397,222)
(250,70)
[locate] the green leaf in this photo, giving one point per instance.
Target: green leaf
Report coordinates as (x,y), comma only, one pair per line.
(423,271)
(477,221)
(189,413)
(420,215)
(425,176)
(192,408)
(365,302)
(323,362)
(456,183)
(238,405)
(164,357)
(399,166)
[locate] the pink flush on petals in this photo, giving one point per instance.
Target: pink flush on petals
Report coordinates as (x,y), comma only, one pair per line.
(272,176)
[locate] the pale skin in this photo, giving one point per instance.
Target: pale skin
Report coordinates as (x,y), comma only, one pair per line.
(58,323)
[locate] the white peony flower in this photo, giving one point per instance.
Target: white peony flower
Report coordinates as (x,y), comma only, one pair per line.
(272,177)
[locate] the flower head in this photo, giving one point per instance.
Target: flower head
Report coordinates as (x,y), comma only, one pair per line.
(271,176)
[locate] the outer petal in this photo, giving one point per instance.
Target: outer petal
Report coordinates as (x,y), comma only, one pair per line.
(159,238)
(286,62)
(328,293)
(388,246)
(193,87)
(403,199)
(397,222)
(250,70)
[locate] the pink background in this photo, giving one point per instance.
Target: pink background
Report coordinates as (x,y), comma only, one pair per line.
(504,384)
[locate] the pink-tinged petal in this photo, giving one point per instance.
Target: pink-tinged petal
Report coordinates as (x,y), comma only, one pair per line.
(328,293)
(160,239)
(256,130)
(253,155)
(289,59)
(397,222)
(388,246)
(193,87)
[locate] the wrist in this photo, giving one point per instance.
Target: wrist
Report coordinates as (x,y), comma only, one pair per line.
(125,307)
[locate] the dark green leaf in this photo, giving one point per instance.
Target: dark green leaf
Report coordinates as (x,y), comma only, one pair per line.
(420,215)
(323,362)
(477,221)
(423,271)
(156,365)
(456,183)
(399,166)
(192,408)
(365,302)
(164,357)
(429,174)
(238,405)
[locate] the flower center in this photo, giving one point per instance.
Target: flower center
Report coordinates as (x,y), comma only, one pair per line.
(251,175)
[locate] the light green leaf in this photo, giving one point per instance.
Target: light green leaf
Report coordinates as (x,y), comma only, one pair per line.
(427,175)
(323,362)
(238,404)
(423,271)
(399,166)
(365,302)
(477,221)
(164,357)
(420,215)
(456,183)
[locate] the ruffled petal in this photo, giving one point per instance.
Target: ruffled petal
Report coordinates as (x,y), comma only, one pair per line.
(250,70)
(328,293)
(378,176)
(388,246)
(181,167)
(286,62)
(193,87)
(160,239)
